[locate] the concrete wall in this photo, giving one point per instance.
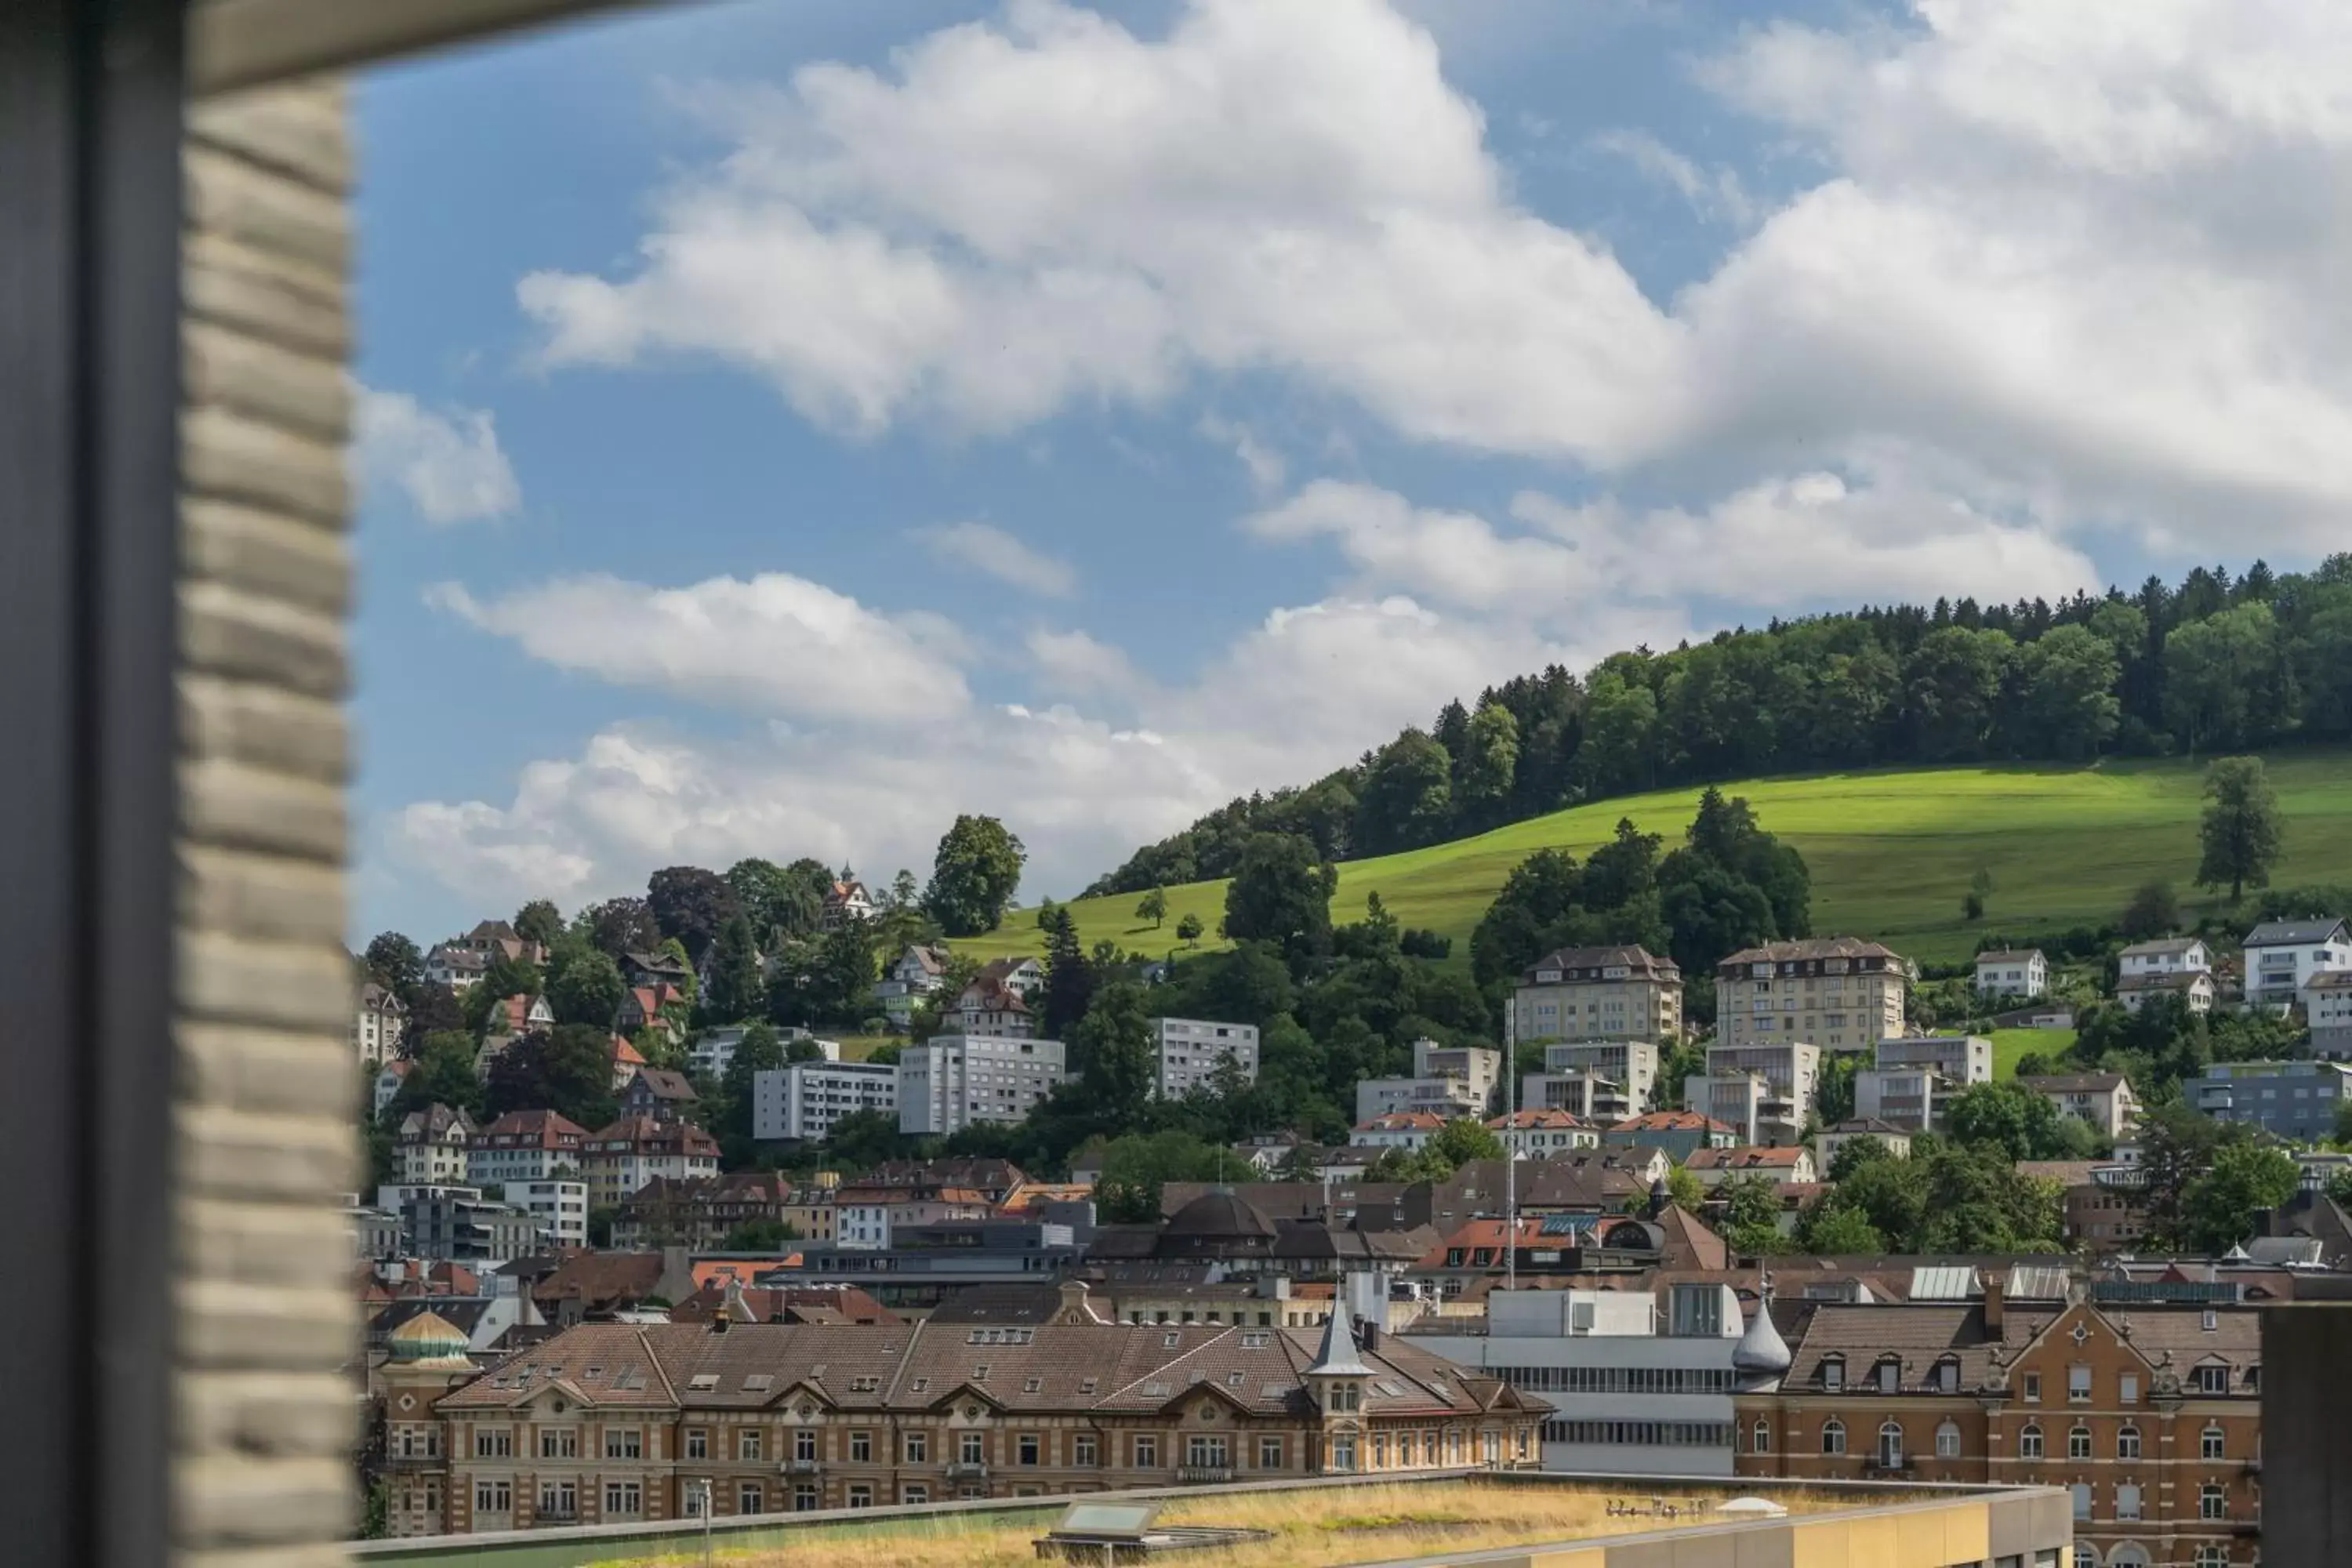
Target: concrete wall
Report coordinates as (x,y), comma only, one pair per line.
(265,1084)
(2306,1446)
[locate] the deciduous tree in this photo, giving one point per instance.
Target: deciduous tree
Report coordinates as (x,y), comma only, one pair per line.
(974,875)
(2240,835)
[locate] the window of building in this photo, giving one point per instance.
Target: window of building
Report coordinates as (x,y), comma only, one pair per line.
(1204,1451)
(698,1443)
(1947,1440)
(2127,1391)
(1833,1435)
(2213,1502)
(861,1495)
(559,1500)
(1833,1372)
(1380,1450)
(2127,1501)
(623,1443)
(1146,1451)
(1890,1444)
(2078,1385)
(2209,1443)
(804,1499)
(2029,1442)
(2032,1389)
(751,1499)
(2078,1443)
(1030,1447)
(493,1443)
(861,1447)
(493,1496)
(1085,1451)
(623,1499)
(559,1443)
(970,1447)
(1760,1440)
(2128,1443)
(1890,1377)
(2085,1556)
(2213,1379)
(2082,1490)
(747,1443)
(2213,1554)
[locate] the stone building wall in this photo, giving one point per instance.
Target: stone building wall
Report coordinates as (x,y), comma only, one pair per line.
(265,1085)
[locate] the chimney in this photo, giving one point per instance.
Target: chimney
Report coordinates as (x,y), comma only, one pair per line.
(1995,1301)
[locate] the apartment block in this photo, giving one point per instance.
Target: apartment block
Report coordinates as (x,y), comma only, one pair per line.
(801,1103)
(2295,1100)
(1191,1050)
(1631,1065)
(1589,1095)
(1762,1090)
(2282,957)
(559,1209)
(1596,993)
(1447,1081)
(951,1082)
(1840,992)
(524,1146)
(2327,1007)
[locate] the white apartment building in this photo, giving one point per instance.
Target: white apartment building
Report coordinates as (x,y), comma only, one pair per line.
(2193,986)
(1631,1065)
(2103,1100)
(1963,1059)
(560,1209)
(1640,1383)
(377,1019)
(1446,1081)
(713,1051)
(458,967)
(1189,1050)
(432,1147)
(2327,1007)
(1840,992)
(1791,1073)
(2006,972)
(1591,1095)
(862,1219)
(1596,993)
(1910,1098)
(2282,957)
(2166,955)
(948,1082)
(524,1146)
(801,1103)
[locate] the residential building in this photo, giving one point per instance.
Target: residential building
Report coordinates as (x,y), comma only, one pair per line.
(1680,1133)
(662,1093)
(950,1082)
(844,902)
(1630,1066)
(1597,993)
(2006,972)
(430,1149)
(496,940)
(655,970)
(1791,1072)
(445,1223)
(699,1212)
(2148,1415)
(915,973)
(1959,1059)
(2165,955)
(2294,1100)
(1911,1098)
(626,1060)
(1782,1166)
(1397,1129)
(1534,1134)
(524,1146)
(1841,993)
(2105,1203)
(861,1217)
(712,1051)
(385,1087)
(1895,1140)
(937,1412)
(1447,1080)
(2327,1008)
(2103,1100)
(2193,986)
(2282,956)
(377,1018)
(458,967)
(617,1161)
(1191,1050)
(988,1005)
(520,1013)
(1640,1381)
(801,1103)
(558,1207)
(1584,1094)
(642,1008)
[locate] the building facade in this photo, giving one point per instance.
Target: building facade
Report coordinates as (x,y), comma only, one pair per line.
(1447,1080)
(2327,1007)
(1791,1071)
(2103,1100)
(801,1103)
(558,1207)
(618,1160)
(2007,973)
(377,1019)
(1630,1066)
(1597,993)
(2282,956)
(1189,1052)
(524,1146)
(1839,993)
(2295,1100)
(607,1422)
(951,1082)
(431,1146)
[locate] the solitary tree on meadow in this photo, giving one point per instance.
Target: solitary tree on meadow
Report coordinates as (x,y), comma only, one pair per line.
(1154,907)
(2241,828)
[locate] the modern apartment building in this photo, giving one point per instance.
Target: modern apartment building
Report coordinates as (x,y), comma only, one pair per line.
(1631,1065)
(801,1103)
(2282,956)
(1191,1050)
(2295,1100)
(606,1423)
(1640,1381)
(2103,1100)
(559,1209)
(951,1082)
(1587,1094)
(1962,1059)
(1839,993)
(1597,993)
(1772,1110)
(1913,1075)
(1447,1080)
(2327,1007)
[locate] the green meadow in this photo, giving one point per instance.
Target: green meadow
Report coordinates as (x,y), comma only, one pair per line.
(1892,852)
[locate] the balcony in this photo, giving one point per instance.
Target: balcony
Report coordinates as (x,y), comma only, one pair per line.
(412,1462)
(801,1467)
(1203,1475)
(968,1470)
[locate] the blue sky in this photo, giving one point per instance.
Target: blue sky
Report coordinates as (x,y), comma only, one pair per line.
(787,424)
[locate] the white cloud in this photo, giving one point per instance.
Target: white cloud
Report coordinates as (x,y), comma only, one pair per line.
(2089,259)
(448,464)
(775,643)
(1074,664)
(1716,194)
(1265,465)
(985,547)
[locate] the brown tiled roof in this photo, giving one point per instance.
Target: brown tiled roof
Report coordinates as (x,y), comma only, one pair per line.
(531,1129)
(2008,954)
(2171,980)
(1922,1336)
(666,1083)
(1748,1159)
(1645,965)
(1669,1122)
(1809,947)
(603,1281)
(645,1134)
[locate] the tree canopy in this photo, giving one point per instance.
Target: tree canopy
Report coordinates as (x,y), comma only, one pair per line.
(2240,834)
(973,875)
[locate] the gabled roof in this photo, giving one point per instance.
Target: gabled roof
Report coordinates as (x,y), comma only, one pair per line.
(1643,963)
(2077,1083)
(2010,955)
(1670,1122)
(2309,932)
(2176,980)
(666,1083)
(2158,947)
(1752,1158)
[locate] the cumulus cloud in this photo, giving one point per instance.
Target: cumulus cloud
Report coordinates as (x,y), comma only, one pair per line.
(2090,259)
(1716,194)
(448,464)
(984,548)
(1263,464)
(775,643)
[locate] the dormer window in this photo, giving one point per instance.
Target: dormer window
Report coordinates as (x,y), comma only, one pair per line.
(1833,1372)
(1890,1376)
(1947,1375)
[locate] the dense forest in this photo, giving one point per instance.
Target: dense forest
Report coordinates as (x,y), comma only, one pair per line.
(2218,663)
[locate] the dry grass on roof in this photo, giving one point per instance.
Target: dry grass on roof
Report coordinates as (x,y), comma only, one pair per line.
(1319,1529)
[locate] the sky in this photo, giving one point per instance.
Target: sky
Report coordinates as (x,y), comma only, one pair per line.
(784,425)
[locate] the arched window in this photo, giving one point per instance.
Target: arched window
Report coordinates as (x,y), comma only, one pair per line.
(1890,1445)
(1763,1436)
(2078,1443)
(2085,1555)
(2212,1555)
(1947,1440)
(2208,1442)
(2130,1554)
(2029,1442)
(2128,1443)
(1833,1435)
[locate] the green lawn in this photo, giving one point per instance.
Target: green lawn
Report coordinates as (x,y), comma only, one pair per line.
(2009,1045)
(1891,851)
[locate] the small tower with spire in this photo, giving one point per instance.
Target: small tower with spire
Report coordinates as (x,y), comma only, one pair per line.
(1762,1358)
(1336,1382)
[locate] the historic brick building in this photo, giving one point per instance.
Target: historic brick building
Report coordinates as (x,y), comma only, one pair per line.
(2147,1412)
(612,1421)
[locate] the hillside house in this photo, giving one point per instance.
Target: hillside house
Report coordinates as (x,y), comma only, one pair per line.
(2166,955)
(2282,957)
(2194,988)
(1397,1129)
(2104,1099)
(1535,1135)
(2009,972)
(845,902)
(655,969)
(377,1019)
(2327,1007)
(1782,1168)
(1828,1141)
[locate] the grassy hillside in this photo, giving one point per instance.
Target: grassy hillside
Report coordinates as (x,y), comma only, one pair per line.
(1891,851)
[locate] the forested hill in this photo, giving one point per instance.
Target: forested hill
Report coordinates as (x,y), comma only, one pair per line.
(2218,663)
